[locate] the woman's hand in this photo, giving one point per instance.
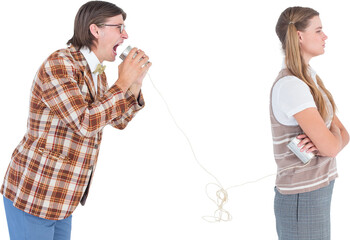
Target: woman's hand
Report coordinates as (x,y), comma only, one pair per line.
(308,145)
(328,142)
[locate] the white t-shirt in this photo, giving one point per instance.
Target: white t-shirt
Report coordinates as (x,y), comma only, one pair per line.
(291,95)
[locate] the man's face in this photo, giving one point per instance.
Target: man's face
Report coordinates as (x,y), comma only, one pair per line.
(109,38)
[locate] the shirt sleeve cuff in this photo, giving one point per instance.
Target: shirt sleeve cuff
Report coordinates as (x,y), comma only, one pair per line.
(300,108)
(134,103)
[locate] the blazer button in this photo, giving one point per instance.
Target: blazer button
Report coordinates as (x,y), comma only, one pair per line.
(96,146)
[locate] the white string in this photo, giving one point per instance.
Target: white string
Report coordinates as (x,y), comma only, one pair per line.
(273,174)
(221,199)
(183,132)
(221,194)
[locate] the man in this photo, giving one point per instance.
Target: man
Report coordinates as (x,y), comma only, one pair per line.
(51,169)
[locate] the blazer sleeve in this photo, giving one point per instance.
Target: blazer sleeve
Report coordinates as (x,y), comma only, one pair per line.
(133,106)
(58,81)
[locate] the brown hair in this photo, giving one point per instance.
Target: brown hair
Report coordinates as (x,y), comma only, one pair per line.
(295,19)
(93,12)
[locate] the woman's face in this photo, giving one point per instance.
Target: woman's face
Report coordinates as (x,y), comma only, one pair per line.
(312,40)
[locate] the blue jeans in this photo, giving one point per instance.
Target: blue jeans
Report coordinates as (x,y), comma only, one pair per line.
(26,226)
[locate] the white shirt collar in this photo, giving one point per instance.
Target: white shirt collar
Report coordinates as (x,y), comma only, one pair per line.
(91,59)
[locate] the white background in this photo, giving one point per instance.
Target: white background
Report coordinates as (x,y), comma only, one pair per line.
(214,62)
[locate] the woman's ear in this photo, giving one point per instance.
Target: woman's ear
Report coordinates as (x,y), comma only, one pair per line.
(300,36)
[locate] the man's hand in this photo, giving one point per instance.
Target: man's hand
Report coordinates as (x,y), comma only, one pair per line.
(133,70)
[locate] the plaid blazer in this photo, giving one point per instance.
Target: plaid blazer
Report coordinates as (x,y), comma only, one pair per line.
(52,167)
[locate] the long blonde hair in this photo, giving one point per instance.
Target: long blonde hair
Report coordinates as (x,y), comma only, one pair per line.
(295,19)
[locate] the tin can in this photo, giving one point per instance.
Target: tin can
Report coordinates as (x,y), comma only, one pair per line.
(305,157)
(126,52)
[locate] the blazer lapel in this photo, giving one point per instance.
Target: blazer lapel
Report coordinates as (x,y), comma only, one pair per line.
(102,85)
(89,82)
(84,68)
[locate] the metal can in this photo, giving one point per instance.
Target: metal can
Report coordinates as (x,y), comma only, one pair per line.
(126,52)
(305,157)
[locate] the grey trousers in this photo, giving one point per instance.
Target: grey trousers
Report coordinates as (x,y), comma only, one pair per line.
(304,216)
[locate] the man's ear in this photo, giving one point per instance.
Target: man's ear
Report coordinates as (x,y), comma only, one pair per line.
(94,31)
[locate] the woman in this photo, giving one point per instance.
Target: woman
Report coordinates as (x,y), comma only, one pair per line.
(301,106)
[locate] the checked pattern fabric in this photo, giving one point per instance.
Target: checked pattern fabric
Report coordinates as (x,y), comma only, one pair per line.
(52,167)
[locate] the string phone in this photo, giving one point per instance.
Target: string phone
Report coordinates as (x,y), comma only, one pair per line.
(221,195)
